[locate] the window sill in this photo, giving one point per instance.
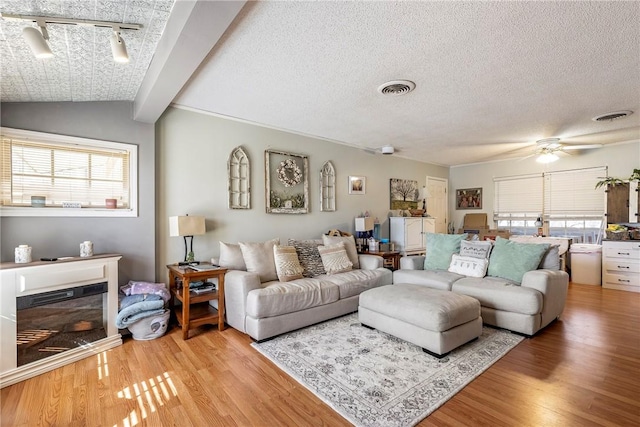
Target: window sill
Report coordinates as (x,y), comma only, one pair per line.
(66,212)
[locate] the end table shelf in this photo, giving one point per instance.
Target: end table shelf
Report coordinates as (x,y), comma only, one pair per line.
(195,309)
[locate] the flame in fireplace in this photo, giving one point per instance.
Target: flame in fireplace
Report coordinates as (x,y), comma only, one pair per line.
(148,394)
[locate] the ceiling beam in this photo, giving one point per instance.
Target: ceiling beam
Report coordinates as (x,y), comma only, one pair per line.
(192,30)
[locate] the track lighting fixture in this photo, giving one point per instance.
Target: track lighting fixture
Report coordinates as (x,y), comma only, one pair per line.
(37,40)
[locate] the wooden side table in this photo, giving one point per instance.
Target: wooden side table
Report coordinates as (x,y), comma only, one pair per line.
(391,259)
(195,309)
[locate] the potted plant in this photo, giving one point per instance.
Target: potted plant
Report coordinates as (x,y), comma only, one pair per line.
(610,181)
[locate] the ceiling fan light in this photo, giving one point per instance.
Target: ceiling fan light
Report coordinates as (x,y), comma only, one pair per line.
(118,48)
(547,158)
(37,43)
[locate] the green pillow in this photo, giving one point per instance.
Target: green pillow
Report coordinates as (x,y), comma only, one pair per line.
(440,249)
(510,260)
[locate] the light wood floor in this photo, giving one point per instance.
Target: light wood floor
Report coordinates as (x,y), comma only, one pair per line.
(582,370)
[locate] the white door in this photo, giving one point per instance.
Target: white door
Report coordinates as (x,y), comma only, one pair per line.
(437,205)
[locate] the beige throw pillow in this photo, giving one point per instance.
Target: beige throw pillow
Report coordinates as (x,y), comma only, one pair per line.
(231,257)
(349,245)
(335,259)
(287,265)
(258,256)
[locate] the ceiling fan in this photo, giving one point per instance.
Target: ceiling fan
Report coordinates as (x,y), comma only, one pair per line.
(387,150)
(548,149)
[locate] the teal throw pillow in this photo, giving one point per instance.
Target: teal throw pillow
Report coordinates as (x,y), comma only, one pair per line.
(440,249)
(510,260)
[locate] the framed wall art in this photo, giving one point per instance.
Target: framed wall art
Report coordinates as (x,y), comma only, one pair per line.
(287,182)
(357,185)
(469,198)
(404,194)
(239,179)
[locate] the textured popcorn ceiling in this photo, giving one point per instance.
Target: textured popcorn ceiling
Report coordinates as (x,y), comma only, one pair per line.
(491,77)
(82,68)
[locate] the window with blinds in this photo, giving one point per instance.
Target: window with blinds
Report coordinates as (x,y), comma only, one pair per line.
(518,197)
(572,193)
(66,171)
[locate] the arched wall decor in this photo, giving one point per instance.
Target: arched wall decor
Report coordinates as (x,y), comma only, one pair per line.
(327,188)
(239,174)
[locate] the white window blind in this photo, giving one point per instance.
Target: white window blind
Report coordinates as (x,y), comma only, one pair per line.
(572,193)
(64,169)
(518,196)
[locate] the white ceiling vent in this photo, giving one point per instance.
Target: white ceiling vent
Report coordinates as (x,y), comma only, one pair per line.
(396,87)
(612,116)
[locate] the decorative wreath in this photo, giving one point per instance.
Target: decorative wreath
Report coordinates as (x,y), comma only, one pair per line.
(289,173)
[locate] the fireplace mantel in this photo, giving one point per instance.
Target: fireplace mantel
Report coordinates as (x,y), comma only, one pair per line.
(18,280)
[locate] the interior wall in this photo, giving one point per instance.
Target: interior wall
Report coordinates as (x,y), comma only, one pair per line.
(134,238)
(193,150)
(621,159)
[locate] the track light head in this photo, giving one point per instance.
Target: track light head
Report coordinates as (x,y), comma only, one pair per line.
(118,47)
(36,41)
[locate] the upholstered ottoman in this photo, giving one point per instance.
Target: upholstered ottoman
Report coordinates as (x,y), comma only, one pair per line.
(436,320)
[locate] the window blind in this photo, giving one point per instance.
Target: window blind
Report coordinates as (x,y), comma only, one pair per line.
(63,172)
(518,196)
(572,193)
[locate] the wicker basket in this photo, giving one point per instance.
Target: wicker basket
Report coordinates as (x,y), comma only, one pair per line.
(617,235)
(634,234)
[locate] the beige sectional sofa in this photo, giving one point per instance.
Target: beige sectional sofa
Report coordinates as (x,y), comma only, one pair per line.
(263,308)
(524,306)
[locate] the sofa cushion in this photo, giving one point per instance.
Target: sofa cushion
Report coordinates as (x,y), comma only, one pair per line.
(469,266)
(436,279)
(355,282)
(278,298)
(551,259)
(349,245)
(475,248)
(287,265)
(335,259)
(510,260)
(309,256)
(231,257)
(440,248)
(258,256)
(501,294)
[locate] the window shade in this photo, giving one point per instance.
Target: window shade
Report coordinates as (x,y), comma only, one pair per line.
(572,193)
(63,172)
(519,195)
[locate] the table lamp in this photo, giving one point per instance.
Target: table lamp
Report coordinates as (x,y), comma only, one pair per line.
(187,226)
(363,225)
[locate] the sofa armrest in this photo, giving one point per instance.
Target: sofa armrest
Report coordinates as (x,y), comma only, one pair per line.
(553,285)
(412,262)
(370,262)
(237,285)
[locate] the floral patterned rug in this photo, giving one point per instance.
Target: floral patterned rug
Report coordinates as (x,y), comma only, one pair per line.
(374,379)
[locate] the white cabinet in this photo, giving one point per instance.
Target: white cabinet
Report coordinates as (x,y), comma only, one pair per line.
(621,265)
(408,233)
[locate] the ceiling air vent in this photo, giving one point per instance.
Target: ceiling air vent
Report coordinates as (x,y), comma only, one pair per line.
(397,87)
(612,116)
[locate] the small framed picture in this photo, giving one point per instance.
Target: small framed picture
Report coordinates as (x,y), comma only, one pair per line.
(469,198)
(357,185)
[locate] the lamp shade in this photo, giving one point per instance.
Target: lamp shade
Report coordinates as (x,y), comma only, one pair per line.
(364,223)
(186,225)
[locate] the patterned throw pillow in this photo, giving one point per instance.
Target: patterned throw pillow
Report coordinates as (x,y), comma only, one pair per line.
(468,266)
(259,258)
(349,245)
(335,258)
(287,265)
(475,249)
(309,256)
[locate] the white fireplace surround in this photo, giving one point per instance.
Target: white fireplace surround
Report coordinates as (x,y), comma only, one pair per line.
(18,280)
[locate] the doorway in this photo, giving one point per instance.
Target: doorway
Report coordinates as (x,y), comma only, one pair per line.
(437,204)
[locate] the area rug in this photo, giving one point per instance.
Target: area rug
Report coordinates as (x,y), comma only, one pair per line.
(374,379)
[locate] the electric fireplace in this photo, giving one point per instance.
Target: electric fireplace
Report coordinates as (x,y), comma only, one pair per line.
(55,313)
